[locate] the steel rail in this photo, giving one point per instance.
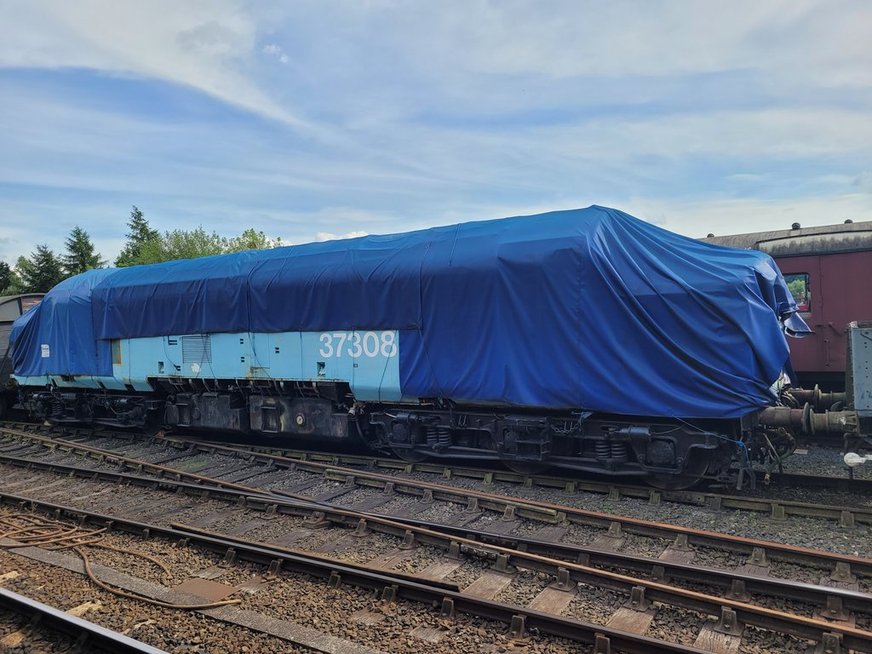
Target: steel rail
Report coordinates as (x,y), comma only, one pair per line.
(378,579)
(398,587)
(747,614)
(739,585)
(555,513)
(85,632)
(777,508)
(614,490)
(550,557)
(112,456)
(850,484)
(537,510)
(499,474)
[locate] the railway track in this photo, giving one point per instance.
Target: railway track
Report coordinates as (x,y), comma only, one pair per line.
(386,594)
(396,592)
(468,480)
(336,478)
(43,626)
(850,503)
(510,554)
(556,584)
(771,503)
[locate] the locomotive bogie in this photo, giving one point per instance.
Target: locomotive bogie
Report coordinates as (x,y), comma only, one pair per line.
(586,442)
(292,410)
(82,406)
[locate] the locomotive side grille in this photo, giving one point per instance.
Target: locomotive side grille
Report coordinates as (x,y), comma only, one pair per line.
(196,349)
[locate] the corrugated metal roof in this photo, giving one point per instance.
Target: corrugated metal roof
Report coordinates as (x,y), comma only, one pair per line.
(824,239)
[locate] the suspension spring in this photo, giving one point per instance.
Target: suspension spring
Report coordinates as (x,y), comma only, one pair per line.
(602,449)
(444,436)
(439,436)
(619,451)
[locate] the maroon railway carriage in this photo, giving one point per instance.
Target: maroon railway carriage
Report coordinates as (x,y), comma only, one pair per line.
(829,271)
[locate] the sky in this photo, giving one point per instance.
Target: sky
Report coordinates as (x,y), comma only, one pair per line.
(310,120)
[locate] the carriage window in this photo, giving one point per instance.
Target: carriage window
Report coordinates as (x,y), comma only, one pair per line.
(798,285)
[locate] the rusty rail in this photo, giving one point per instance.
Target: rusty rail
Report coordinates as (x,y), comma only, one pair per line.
(549,557)
(88,636)
(393,587)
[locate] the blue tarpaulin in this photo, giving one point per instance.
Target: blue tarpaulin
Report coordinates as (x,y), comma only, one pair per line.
(57,336)
(586,309)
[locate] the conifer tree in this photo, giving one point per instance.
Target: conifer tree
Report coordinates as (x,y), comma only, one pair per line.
(40,272)
(80,255)
(140,235)
(6,278)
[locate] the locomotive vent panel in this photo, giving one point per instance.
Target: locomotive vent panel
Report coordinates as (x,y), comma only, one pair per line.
(196,349)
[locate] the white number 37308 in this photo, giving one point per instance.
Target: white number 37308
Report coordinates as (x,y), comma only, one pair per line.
(358,344)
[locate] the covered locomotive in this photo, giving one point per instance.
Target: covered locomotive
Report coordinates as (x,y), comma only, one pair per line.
(585,339)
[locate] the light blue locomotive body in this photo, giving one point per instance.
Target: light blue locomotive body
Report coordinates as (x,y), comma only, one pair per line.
(368,361)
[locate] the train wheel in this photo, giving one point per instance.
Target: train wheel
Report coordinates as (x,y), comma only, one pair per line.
(693,473)
(674,482)
(409,455)
(526,467)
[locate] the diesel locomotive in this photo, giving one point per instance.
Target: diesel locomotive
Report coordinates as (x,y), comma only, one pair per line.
(586,340)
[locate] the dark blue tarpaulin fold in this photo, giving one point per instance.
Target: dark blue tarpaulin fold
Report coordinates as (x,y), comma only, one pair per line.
(590,308)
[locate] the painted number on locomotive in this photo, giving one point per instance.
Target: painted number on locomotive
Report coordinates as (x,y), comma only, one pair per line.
(358,344)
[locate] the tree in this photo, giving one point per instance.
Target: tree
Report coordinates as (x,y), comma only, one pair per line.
(40,272)
(146,245)
(194,243)
(80,254)
(182,244)
(251,239)
(141,235)
(6,278)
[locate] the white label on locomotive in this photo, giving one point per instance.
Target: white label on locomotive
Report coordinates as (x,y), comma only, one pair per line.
(358,344)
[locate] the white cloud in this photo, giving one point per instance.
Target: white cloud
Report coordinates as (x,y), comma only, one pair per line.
(203,44)
(418,114)
(784,132)
(615,38)
(565,39)
(276,51)
(327,236)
